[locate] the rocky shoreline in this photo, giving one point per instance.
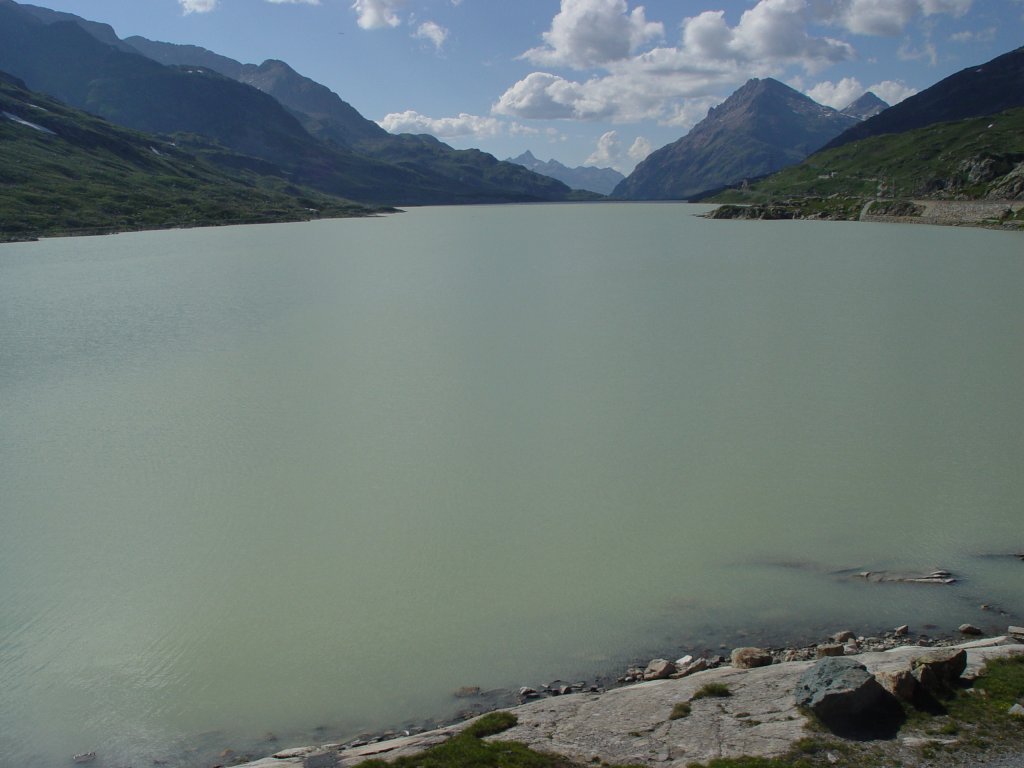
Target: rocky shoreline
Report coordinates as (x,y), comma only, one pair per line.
(989,214)
(551,697)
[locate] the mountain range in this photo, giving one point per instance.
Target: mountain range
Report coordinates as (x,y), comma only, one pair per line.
(269,120)
(762,127)
(600,180)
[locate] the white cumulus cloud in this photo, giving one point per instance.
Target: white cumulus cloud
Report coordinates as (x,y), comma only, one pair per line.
(411,121)
(841,94)
(433,33)
(609,153)
(773,31)
(589,33)
(377,14)
(886,17)
(197,6)
(639,149)
(671,84)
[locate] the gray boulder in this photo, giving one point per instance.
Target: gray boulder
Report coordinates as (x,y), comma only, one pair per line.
(839,688)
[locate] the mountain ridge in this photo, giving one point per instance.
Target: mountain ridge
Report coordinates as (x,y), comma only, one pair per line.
(59,55)
(763,126)
(983,89)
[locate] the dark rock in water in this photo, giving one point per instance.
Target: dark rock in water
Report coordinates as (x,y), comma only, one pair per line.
(467,692)
(838,689)
(970,629)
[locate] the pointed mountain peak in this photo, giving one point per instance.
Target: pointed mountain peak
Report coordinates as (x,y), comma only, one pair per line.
(866,106)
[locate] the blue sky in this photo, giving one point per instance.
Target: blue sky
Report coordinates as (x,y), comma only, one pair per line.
(582,81)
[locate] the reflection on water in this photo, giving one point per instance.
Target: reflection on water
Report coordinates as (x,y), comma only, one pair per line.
(263,479)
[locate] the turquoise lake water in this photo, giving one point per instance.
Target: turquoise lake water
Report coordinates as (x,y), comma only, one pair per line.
(309,479)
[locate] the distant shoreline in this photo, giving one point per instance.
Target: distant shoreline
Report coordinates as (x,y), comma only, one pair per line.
(1002,215)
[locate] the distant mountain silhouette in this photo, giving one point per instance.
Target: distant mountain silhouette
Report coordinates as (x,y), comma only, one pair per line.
(866,106)
(599,180)
(992,87)
(763,127)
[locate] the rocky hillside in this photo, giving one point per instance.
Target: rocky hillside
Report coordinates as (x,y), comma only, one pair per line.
(762,127)
(976,159)
(995,86)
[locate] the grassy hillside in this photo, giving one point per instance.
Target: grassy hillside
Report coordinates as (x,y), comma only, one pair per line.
(63,171)
(968,159)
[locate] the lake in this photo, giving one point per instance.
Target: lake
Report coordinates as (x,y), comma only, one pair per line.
(309,479)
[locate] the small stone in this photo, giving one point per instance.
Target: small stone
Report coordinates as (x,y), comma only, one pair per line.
(688,669)
(564,689)
(969,629)
(748,658)
(285,754)
(902,630)
(682,662)
(528,693)
(1017,632)
(659,669)
(844,636)
(826,650)
(1016,711)
(851,649)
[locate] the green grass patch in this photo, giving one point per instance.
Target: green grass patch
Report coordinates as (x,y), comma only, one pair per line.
(491,724)
(468,750)
(712,691)
(680,710)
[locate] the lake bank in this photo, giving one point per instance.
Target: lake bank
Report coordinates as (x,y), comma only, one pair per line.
(1005,215)
(638,724)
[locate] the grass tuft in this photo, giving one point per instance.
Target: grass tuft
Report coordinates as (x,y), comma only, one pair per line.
(712,691)
(680,710)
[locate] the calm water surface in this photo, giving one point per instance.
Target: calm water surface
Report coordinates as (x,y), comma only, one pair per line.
(270,478)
